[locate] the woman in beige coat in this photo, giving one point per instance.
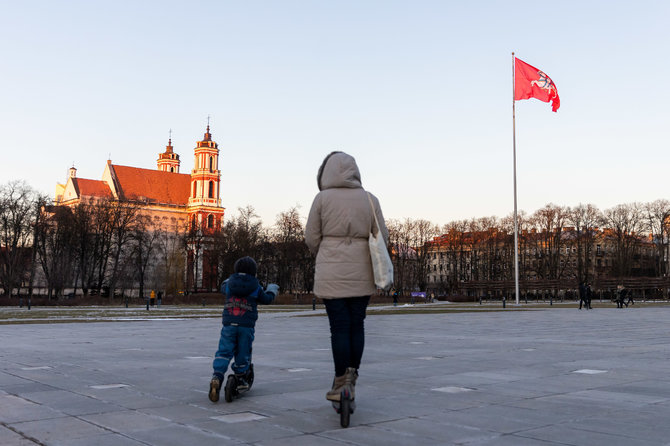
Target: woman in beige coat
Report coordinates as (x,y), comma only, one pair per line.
(337,231)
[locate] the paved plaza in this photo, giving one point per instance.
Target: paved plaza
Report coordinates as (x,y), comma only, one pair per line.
(554,376)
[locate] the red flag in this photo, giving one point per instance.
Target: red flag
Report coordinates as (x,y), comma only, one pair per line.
(529,82)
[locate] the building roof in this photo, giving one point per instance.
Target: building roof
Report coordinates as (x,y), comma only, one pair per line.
(91,188)
(134,183)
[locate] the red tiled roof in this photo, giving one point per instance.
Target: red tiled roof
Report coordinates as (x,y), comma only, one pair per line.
(91,188)
(155,185)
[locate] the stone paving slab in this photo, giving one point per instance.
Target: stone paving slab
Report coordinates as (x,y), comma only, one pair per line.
(539,378)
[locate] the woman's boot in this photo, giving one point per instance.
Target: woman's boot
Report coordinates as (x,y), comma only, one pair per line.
(351,375)
(338,384)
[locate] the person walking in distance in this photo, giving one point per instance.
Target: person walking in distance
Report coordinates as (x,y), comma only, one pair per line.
(620,296)
(582,296)
(337,230)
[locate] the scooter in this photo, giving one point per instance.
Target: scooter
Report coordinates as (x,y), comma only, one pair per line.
(235,386)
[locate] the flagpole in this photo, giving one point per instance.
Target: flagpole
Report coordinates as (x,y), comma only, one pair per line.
(516,225)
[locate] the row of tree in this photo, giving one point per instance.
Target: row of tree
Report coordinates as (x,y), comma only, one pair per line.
(555,243)
(108,247)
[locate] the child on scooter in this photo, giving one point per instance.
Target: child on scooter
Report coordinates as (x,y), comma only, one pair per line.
(243,293)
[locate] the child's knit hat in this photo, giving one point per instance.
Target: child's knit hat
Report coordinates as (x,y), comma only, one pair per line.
(245,265)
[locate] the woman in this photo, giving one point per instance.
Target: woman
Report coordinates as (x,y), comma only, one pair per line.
(337,231)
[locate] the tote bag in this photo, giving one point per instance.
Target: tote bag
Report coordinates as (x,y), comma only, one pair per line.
(382,267)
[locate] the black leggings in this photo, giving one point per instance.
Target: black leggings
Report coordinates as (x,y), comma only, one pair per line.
(347,331)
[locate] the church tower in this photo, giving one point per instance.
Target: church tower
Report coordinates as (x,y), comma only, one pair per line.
(204,203)
(168,161)
(205,214)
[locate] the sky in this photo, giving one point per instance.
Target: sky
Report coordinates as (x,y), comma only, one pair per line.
(419,92)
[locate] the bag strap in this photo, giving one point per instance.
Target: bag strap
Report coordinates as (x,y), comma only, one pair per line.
(374,214)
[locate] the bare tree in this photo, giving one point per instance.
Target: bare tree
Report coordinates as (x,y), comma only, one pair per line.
(55,248)
(411,241)
(488,241)
(550,241)
(526,246)
(423,232)
(17,215)
(194,241)
(585,219)
(40,204)
(144,244)
(624,223)
(171,266)
(404,255)
(101,233)
(84,241)
(293,265)
(124,218)
(240,236)
(458,246)
(657,215)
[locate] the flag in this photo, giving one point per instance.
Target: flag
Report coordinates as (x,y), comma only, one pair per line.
(529,82)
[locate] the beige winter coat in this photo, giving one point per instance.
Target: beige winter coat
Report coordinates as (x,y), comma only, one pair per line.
(338,228)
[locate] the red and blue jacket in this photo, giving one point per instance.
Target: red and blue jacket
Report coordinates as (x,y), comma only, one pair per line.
(243,294)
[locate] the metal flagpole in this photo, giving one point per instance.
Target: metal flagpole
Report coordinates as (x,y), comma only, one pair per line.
(516,225)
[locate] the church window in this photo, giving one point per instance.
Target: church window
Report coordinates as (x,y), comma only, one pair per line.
(211,163)
(171,169)
(211,189)
(195,183)
(210,221)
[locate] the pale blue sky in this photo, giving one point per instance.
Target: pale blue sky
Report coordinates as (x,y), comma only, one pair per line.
(420,92)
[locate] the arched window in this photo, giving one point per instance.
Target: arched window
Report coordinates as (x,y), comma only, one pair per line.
(211,163)
(210,221)
(211,189)
(195,185)
(171,169)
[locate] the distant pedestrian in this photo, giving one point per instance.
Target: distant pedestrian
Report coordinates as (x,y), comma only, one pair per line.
(395,298)
(622,292)
(582,296)
(589,295)
(628,298)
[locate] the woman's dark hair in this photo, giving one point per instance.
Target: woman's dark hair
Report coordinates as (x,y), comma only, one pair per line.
(323,166)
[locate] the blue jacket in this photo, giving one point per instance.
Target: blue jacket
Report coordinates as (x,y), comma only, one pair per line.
(243,294)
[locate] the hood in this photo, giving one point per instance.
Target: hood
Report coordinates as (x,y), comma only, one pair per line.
(338,170)
(242,284)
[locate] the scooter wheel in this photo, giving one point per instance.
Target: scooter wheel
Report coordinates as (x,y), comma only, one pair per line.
(345,409)
(231,386)
(250,376)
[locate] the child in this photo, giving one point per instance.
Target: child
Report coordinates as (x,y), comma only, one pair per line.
(243,293)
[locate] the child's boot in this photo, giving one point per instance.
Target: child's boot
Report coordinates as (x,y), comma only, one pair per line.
(338,383)
(215,387)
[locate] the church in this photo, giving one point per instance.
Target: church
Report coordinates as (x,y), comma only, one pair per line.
(174,201)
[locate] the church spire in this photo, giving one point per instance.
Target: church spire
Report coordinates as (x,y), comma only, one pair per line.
(168,161)
(168,148)
(208,136)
